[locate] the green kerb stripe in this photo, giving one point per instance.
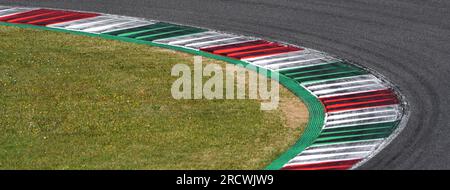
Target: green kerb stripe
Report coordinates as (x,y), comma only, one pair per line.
(314,68)
(359,127)
(357,132)
(350,138)
(330,76)
(321,71)
(156,31)
(137,29)
(172,34)
(327,71)
(149,31)
(292,69)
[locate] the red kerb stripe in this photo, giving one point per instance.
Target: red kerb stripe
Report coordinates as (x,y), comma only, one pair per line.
(360,100)
(251,49)
(245,48)
(376,92)
(46,16)
(333,165)
(237,45)
(24,14)
(68,18)
(268,52)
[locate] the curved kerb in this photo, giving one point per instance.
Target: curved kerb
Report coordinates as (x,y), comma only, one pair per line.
(353,112)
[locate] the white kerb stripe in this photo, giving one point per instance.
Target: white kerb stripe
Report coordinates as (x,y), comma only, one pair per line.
(104,26)
(124,26)
(186,38)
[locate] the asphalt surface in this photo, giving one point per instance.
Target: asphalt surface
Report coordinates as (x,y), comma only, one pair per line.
(408,41)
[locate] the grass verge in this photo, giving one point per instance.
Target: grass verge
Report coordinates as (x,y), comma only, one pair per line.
(73,102)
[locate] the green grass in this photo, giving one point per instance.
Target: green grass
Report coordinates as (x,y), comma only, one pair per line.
(73,102)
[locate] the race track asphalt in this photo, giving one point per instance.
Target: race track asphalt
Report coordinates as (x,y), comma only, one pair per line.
(408,41)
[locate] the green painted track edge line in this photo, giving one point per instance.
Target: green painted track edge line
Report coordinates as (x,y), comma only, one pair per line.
(313,104)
